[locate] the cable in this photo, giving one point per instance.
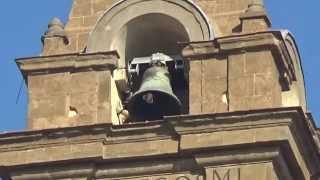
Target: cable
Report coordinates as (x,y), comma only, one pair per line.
(19,92)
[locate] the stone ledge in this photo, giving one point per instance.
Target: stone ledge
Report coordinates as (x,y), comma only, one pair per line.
(206,123)
(53,137)
(194,165)
(177,136)
(68,62)
(173,127)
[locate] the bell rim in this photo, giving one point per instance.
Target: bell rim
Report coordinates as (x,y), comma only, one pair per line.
(157,91)
(177,101)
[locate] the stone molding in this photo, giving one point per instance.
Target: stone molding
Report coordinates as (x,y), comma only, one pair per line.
(113,19)
(67,62)
(284,128)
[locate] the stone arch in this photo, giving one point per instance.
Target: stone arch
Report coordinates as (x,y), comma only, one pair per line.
(179,20)
(141,37)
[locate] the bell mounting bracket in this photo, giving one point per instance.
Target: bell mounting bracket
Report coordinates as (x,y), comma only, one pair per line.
(136,64)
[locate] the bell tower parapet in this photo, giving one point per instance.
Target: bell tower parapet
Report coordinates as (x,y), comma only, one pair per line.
(243,72)
(71,90)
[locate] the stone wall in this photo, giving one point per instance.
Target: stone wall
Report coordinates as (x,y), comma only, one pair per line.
(238,73)
(240,125)
(223,15)
(244,67)
(70,90)
(267,144)
(83,16)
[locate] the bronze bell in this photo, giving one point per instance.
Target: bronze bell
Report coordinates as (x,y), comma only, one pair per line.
(155,97)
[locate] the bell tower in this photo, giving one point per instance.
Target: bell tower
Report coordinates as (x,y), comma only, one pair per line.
(164,89)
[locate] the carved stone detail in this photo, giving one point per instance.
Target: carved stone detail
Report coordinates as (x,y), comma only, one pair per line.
(223,174)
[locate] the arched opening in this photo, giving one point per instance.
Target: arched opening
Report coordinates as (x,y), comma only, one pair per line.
(180,20)
(141,28)
(148,34)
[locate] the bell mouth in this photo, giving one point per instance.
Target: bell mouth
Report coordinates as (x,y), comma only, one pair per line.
(153,105)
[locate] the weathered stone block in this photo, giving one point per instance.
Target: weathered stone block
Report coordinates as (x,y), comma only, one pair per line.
(238,137)
(48,107)
(104,97)
(275,133)
(10,158)
(233,137)
(222,173)
(73,43)
(82,41)
(61,95)
(79,105)
(195,87)
(86,150)
(90,21)
(85,105)
(53,45)
(214,85)
(74,23)
(263,171)
(253,81)
(146,148)
(254,25)
(246,80)
(81,8)
(215,95)
(242,86)
(224,6)
(102,5)
(264,84)
(260,62)
(48,85)
(227,24)
(238,104)
(237,65)
(215,68)
(192,141)
(83,82)
(260,102)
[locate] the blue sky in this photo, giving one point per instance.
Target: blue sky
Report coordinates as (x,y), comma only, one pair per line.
(24,21)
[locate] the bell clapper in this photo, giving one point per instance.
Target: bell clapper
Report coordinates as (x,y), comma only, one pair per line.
(148,98)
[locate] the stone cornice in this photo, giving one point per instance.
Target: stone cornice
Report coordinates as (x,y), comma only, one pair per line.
(53,137)
(171,126)
(208,123)
(186,137)
(138,132)
(167,136)
(68,62)
(268,40)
